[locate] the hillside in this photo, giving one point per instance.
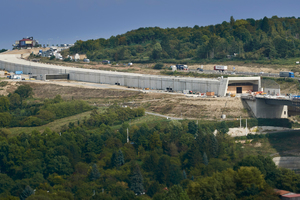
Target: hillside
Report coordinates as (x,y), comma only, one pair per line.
(261,40)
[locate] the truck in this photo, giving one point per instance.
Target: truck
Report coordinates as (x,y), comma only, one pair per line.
(287,74)
(220,68)
(182,67)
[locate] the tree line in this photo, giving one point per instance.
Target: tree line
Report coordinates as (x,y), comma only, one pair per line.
(244,39)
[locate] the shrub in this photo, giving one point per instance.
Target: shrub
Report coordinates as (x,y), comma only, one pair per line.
(158,66)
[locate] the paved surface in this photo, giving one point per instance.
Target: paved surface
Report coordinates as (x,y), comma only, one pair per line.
(233,73)
(171,118)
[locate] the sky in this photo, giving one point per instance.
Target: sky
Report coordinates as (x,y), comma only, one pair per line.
(66,21)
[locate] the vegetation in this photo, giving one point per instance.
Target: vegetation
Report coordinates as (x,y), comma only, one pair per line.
(245,39)
(91,158)
(2,50)
(18,109)
(173,160)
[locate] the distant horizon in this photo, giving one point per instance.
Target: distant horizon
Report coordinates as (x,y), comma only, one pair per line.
(62,22)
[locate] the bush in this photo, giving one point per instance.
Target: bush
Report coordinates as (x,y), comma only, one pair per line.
(31,121)
(158,66)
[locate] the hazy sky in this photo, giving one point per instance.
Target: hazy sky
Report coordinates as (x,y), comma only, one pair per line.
(65,21)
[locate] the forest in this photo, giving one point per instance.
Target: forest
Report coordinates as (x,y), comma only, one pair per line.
(242,39)
(105,156)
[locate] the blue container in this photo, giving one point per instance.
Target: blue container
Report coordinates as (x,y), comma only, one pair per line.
(19,72)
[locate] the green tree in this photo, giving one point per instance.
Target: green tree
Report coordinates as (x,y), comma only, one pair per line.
(162,169)
(156,52)
(6,183)
(174,176)
(15,101)
(192,127)
(95,174)
(5,119)
(150,162)
(24,91)
(265,25)
(176,193)
(223,127)
(136,180)
(232,21)
(4,104)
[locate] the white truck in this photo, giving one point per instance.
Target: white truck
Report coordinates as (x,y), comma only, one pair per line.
(220,68)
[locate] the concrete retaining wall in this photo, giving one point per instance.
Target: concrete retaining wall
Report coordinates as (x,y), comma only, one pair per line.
(12,63)
(292,163)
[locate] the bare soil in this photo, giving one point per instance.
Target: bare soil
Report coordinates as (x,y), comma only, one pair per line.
(173,105)
(189,107)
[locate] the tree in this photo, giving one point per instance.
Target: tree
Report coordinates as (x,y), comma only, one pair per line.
(28,191)
(4,104)
(6,183)
(136,180)
(95,174)
(232,21)
(162,169)
(120,158)
(15,101)
(5,119)
(174,176)
(153,188)
(223,128)
(24,91)
(114,159)
(192,126)
(156,52)
(205,159)
(265,25)
(176,193)
(249,176)
(150,162)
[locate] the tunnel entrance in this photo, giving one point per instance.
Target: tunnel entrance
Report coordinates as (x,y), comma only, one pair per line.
(239,90)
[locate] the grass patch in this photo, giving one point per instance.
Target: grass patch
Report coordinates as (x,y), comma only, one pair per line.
(54,126)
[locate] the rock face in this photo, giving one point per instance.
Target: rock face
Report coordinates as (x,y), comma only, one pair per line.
(292,163)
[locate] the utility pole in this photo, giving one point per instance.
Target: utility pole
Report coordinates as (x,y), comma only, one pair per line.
(127,136)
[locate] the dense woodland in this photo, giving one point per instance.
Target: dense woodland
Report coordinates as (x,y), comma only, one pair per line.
(92,159)
(247,39)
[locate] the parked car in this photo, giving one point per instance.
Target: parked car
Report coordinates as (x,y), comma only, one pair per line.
(200,69)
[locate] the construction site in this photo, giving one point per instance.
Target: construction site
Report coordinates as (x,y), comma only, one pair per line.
(205,94)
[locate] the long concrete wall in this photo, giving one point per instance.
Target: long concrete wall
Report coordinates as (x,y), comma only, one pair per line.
(13,63)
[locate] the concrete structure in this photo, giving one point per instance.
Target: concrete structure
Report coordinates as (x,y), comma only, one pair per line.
(219,86)
(267,108)
(242,85)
